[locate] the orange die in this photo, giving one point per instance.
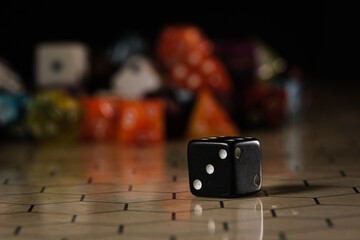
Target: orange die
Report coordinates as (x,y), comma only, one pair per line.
(210,119)
(141,122)
(176,42)
(187,55)
(99,120)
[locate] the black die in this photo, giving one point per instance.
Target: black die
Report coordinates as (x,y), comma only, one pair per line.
(224,166)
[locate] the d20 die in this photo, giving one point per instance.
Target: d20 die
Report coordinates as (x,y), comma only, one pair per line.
(224,166)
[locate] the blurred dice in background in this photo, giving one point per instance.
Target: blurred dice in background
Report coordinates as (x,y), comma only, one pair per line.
(190,66)
(54,115)
(99,120)
(12,113)
(61,65)
(262,105)
(192,88)
(131,122)
(13,101)
(141,122)
(135,78)
(210,119)
(187,55)
(118,111)
(178,106)
(250,61)
(183,43)
(10,81)
(259,100)
(12,95)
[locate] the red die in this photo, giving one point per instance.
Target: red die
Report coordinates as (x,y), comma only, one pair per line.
(209,73)
(141,122)
(181,43)
(99,120)
(187,55)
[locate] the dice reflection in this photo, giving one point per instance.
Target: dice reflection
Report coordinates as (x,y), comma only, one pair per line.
(241,221)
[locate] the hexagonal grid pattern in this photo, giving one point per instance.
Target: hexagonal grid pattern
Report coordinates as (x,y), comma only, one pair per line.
(103,191)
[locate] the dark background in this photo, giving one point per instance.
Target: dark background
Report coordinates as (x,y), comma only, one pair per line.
(318,36)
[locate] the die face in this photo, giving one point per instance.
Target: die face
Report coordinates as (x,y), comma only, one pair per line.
(248,166)
(216,180)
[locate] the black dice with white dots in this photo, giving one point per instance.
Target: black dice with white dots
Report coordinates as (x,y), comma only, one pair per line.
(224,166)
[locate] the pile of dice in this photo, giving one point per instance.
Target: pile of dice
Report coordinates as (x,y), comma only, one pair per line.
(126,94)
(129,121)
(145,107)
